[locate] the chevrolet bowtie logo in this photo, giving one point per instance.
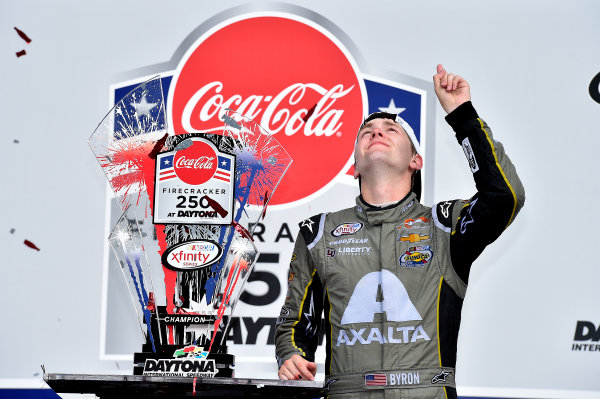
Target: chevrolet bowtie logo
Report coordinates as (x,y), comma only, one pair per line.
(414,237)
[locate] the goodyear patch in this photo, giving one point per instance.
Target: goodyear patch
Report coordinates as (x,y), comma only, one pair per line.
(416,257)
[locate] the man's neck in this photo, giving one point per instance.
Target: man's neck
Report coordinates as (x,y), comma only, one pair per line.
(382,191)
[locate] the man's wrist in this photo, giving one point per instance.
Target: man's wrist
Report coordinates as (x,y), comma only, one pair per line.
(462,114)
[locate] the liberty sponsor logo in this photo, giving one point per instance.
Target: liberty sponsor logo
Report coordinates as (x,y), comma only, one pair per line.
(416,257)
(192,255)
(346,228)
(380,292)
(586,331)
(353,250)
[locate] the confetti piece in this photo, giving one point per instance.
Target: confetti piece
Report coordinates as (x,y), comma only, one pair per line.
(16,141)
(187,143)
(215,205)
(195,385)
(23,35)
(20,53)
(31,245)
(242,230)
(309,113)
(12,231)
(151,304)
(231,122)
(159,145)
(265,205)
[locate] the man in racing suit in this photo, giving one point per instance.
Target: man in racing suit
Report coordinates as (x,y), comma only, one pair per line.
(390,275)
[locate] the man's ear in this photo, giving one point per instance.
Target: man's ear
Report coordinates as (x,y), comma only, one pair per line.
(416,162)
(356,174)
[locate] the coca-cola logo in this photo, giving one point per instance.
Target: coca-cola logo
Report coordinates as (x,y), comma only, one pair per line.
(195,164)
(289,76)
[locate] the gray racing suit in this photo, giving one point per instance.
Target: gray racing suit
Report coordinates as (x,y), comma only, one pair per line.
(387,283)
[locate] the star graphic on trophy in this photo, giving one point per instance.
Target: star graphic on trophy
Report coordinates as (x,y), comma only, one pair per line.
(391,108)
(143,107)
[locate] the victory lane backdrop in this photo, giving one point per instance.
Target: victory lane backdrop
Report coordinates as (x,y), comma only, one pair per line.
(534,78)
(283,106)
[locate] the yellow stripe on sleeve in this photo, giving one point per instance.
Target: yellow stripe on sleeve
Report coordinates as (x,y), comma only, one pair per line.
(502,172)
(312,277)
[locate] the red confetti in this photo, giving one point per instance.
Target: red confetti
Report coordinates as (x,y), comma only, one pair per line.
(265,204)
(31,245)
(20,53)
(242,230)
(195,386)
(151,304)
(309,113)
(216,206)
(159,145)
(23,35)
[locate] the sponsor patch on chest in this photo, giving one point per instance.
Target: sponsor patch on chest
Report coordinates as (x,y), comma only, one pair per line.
(416,257)
(346,228)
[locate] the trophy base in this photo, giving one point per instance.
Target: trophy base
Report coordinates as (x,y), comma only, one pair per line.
(131,386)
(224,362)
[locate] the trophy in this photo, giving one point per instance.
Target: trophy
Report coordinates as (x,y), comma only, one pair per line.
(199,195)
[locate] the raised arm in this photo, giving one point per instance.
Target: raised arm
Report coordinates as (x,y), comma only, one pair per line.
(479,221)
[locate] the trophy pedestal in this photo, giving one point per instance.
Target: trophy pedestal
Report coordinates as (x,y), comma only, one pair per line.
(129,386)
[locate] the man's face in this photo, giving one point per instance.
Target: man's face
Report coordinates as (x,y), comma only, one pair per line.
(382,143)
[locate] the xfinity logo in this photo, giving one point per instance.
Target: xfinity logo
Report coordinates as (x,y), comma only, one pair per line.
(346,228)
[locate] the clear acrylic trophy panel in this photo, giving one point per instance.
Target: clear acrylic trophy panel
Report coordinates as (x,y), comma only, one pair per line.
(126,143)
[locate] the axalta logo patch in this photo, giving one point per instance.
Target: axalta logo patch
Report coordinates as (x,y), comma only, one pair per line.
(308,105)
(346,228)
(416,257)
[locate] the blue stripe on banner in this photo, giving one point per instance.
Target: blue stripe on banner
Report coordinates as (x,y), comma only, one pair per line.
(29,393)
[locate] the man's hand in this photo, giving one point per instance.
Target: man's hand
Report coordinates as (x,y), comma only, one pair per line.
(451,90)
(297,368)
